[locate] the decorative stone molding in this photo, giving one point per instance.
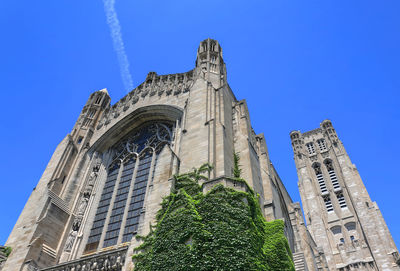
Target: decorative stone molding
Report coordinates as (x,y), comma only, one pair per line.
(312,132)
(112,260)
(87,192)
(171,84)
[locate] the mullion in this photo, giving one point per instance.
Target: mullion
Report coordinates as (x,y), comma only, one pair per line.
(137,199)
(115,222)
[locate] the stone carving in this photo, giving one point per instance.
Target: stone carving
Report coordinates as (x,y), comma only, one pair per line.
(135,99)
(70,240)
(170,85)
(156,87)
(107,261)
(188,85)
(76,224)
(146,89)
(116,109)
(82,205)
(91,182)
(313,158)
(154,84)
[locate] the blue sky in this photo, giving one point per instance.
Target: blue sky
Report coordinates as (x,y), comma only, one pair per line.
(295,62)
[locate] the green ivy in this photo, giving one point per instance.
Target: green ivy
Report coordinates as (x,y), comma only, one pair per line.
(218,231)
(6,250)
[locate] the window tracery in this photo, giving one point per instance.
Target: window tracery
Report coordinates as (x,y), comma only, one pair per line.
(122,198)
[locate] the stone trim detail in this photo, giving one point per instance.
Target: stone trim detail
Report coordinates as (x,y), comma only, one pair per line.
(109,260)
(81,209)
(57,201)
(171,84)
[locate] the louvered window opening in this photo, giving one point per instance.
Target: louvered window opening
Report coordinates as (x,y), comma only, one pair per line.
(341,200)
(321,183)
(334,180)
(328,204)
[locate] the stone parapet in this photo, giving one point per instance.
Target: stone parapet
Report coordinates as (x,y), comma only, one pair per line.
(225,181)
(106,260)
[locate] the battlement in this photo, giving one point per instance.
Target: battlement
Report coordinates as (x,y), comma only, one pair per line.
(312,132)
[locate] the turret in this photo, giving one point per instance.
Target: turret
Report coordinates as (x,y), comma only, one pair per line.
(209,62)
(329,131)
(90,115)
(297,144)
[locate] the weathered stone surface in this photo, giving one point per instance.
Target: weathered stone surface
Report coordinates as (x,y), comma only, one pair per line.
(340,215)
(70,218)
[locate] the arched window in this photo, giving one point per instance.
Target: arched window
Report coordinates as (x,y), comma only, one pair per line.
(98,99)
(336,230)
(212,45)
(328,203)
(320,178)
(122,198)
(204,45)
(351,230)
(332,174)
(337,234)
(341,200)
(351,226)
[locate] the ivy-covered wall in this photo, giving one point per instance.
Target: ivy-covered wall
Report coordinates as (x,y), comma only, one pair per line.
(4,253)
(221,230)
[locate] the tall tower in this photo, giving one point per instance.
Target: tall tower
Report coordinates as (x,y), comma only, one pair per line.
(340,215)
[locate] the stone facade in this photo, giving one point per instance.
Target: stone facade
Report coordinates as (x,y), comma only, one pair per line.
(340,215)
(106,179)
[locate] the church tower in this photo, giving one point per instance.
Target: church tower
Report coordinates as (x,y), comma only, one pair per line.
(339,213)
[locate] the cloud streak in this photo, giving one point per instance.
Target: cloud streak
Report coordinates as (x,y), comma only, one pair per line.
(115,29)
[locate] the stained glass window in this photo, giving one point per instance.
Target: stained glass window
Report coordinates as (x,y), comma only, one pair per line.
(126,191)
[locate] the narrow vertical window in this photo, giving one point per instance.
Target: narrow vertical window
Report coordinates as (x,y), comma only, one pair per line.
(98,100)
(332,175)
(138,195)
(117,212)
(102,209)
(321,144)
(310,148)
(341,200)
(91,113)
(328,203)
(320,178)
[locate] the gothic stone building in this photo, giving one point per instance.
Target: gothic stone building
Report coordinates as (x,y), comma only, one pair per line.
(106,179)
(340,215)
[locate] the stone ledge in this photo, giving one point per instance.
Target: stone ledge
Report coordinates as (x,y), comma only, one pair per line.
(108,260)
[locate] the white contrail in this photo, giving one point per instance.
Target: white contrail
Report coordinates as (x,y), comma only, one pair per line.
(115,28)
